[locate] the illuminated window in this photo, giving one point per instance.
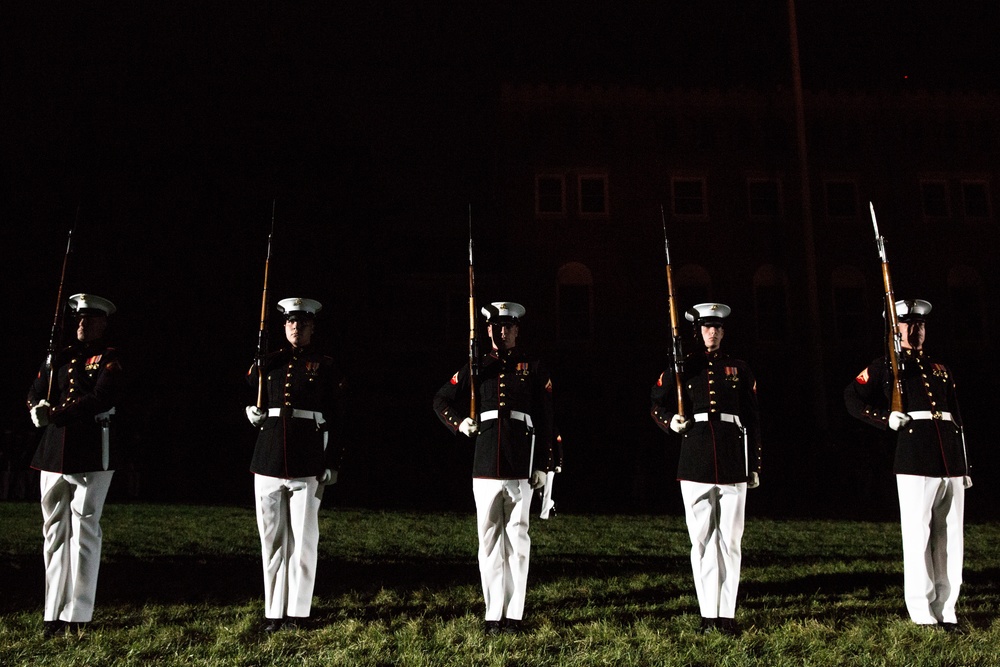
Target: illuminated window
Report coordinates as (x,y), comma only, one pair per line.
(593,190)
(550,194)
(688,195)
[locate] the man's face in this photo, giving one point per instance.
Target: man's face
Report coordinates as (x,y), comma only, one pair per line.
(90,327)
(504,335)
(299,332)
(712,335)
(912,334)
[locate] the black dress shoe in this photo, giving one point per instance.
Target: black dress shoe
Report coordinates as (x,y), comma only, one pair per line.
(512,626)
(272,625)
(492,628)
(52,629)
(76,627)
(708,625)
(728,626)
(951,628)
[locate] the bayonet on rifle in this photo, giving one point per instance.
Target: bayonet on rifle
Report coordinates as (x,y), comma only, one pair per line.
(473,337)
(262,332)
(892,321)
(675,334)
(57,318)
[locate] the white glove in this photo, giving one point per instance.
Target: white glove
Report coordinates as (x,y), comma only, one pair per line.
(678,424)
(898,420)
(967,482)
(754,481)
(40,413)
(468,427)
(256,415)
(328,477)
(537,479)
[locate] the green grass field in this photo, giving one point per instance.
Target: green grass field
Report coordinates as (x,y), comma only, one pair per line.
(181,585)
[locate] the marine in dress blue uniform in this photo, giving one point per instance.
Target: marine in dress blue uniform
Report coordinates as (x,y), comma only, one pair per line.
(294,459)
(720,458)
(514,441)
(76,457)
(931,467)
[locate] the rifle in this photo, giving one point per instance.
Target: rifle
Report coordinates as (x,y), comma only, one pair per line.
(262,333)
(473,337)
(675,334)
(57,319)
(894,337)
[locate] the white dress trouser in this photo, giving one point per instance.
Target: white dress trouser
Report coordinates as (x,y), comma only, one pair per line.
(288,521)
(931,513)
(71,526)
(502,507)
(715,514)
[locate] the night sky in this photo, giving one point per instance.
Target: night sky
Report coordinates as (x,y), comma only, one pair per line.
(171,127)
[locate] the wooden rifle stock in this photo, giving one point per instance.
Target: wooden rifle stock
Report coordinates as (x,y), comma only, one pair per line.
(262,332)
(675,334)
(894,340)
(473,338)
(57,318)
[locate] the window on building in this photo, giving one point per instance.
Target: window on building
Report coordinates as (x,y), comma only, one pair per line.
(975,199)
(593,189)
(764,197)
(841,199)
(688,196)
(550,194)
(770,290)
(934,199)
(849,302)
(965,295)
(575,302)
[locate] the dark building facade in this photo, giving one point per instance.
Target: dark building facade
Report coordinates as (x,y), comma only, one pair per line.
(582,174)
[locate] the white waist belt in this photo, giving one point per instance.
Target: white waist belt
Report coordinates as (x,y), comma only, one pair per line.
(723,417)
(927,414)
(514,414)
(298,414)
